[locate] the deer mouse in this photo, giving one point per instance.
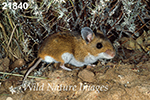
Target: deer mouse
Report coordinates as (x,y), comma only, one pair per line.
(74,48)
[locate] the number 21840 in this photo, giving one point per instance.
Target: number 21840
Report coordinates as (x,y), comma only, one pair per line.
(15,5)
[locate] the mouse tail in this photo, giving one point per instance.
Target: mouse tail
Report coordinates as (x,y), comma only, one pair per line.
(31,68)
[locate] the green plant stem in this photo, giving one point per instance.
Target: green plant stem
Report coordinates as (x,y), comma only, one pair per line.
(23,75)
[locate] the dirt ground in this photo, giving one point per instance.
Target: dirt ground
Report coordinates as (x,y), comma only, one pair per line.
(112,81)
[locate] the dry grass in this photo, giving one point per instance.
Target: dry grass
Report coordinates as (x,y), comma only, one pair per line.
(22,31)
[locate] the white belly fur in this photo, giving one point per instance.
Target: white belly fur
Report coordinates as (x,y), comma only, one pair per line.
(69,58)
(49,59)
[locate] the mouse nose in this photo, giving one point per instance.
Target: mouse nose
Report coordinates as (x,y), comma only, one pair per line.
(112,53)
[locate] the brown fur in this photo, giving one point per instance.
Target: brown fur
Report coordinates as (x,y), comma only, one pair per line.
(57,44)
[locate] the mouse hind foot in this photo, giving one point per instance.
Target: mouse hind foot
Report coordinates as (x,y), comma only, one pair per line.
(62,65)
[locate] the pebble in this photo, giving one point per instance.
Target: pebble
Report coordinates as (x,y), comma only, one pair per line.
(86,75)
(9,98)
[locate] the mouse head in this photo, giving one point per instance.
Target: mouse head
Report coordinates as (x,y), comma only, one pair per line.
(97,44)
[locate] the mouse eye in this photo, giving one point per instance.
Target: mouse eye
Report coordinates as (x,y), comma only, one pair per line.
(99,45)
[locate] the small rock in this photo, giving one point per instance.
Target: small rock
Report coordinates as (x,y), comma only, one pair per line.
(86,75)
(9,98)
(4,65)
(18,63)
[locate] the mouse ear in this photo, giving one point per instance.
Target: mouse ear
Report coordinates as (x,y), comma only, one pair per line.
(87,34)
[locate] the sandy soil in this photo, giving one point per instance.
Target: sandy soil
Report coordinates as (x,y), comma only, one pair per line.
(113,81)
